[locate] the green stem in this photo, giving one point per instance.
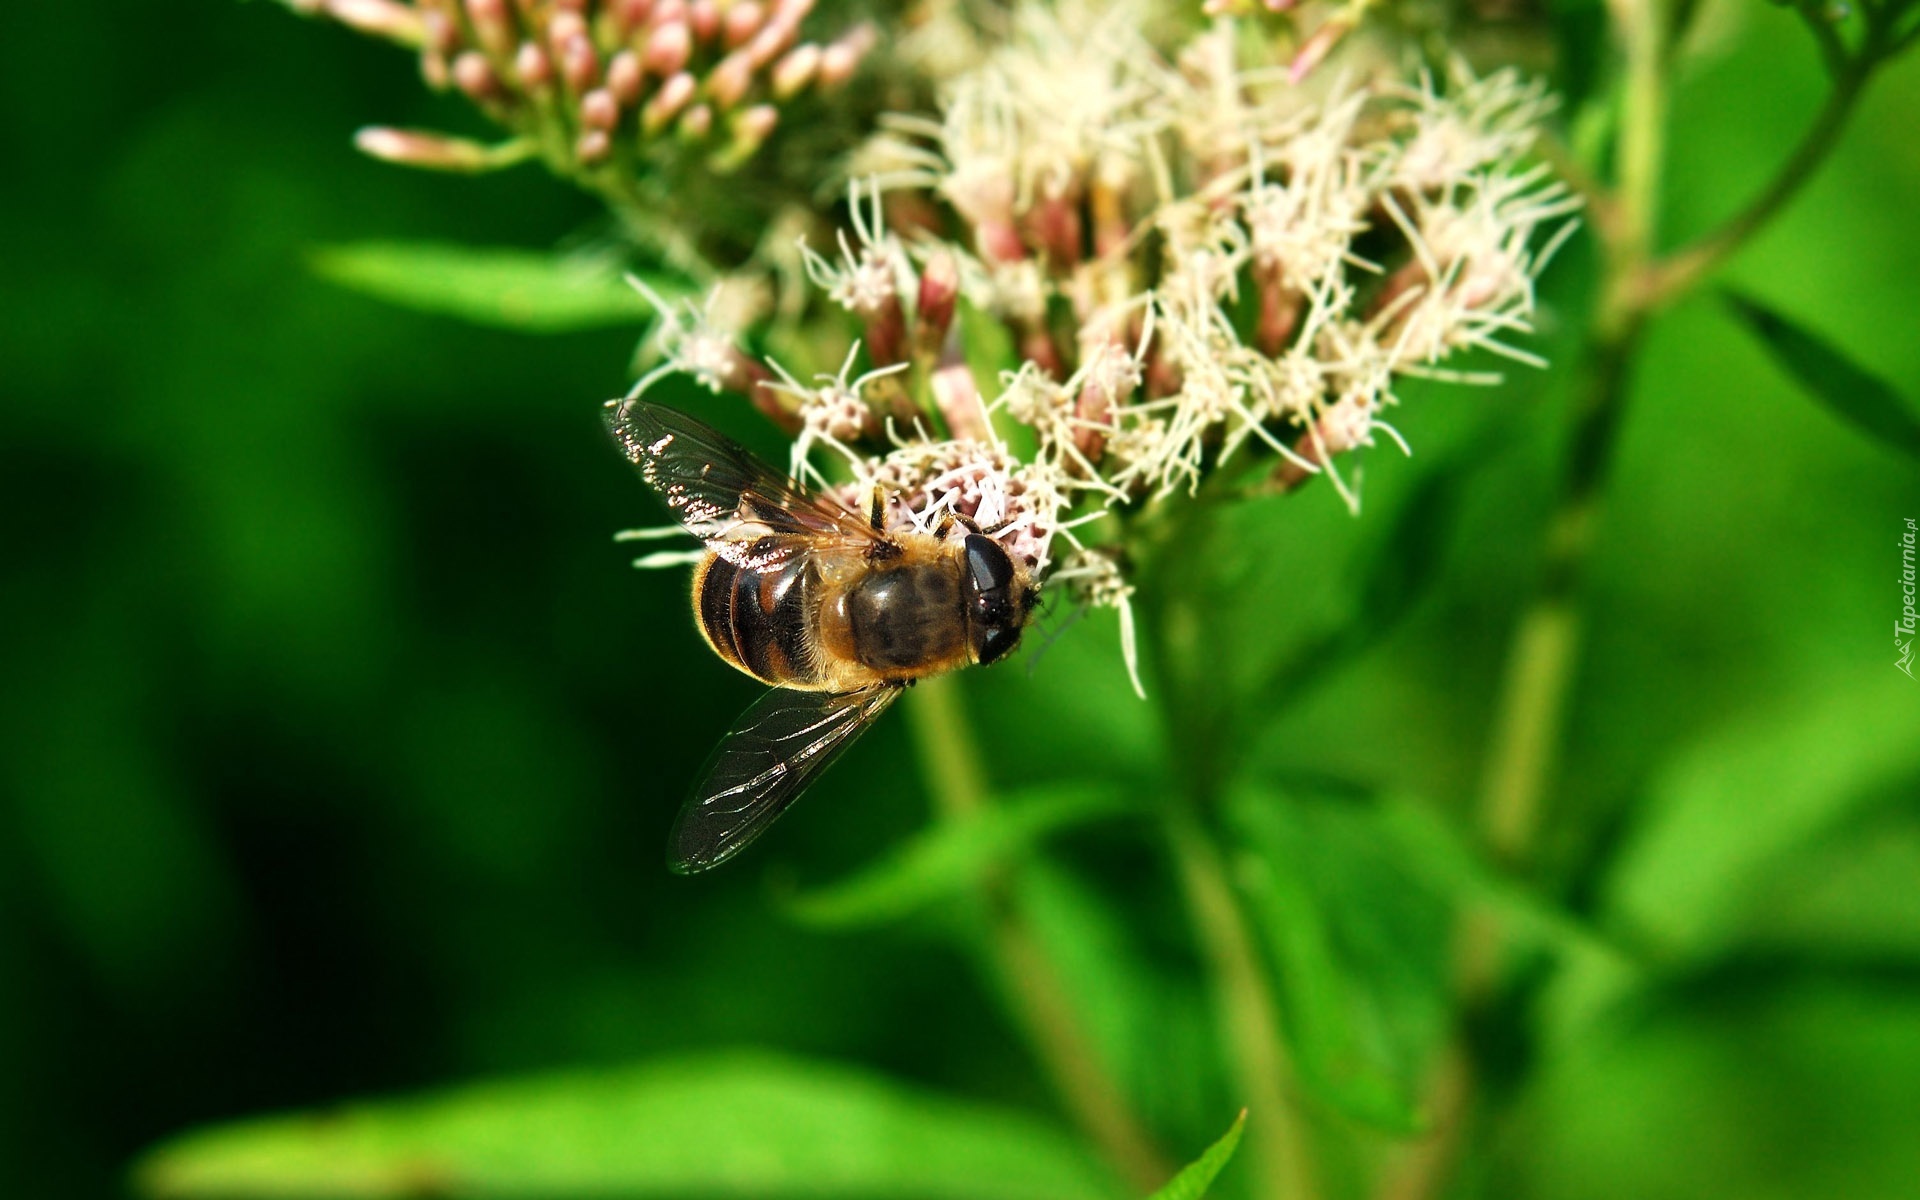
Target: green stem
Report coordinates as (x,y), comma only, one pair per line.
(1524,744)
(1261,1070)
(950,759)
(1682,271)
(952,767)
(1278,1150)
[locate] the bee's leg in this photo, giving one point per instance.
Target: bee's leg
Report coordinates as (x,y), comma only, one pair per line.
(877,509)
(965,522)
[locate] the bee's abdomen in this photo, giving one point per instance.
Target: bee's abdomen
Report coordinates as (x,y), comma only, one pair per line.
(760,619)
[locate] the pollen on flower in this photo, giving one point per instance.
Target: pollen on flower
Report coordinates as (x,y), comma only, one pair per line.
(691,340)
(1092,579)
(867,279)
(835,413)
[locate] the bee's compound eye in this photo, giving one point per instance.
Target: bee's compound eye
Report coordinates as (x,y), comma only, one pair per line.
(996,641)
(988,567)
(990,600)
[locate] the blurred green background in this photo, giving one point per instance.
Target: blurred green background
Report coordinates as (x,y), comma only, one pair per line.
(338,743)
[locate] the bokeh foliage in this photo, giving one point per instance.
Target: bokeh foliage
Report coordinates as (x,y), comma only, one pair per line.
(337,742)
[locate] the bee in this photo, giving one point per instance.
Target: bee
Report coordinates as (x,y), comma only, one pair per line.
(834,611)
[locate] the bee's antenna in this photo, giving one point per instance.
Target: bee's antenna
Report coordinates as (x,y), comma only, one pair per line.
(1053,635)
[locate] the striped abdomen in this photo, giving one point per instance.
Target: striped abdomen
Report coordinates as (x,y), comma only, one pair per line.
(760,619)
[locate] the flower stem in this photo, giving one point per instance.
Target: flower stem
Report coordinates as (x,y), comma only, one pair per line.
(1174,542)
(1685,269)
(953,770)
(1523,748)
(1278,1151)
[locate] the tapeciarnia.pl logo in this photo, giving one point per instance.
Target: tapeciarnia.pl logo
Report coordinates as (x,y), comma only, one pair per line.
(1903,628)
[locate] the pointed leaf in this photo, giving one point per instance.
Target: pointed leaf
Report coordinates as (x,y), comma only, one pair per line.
(1317,1000)
(1194,1180)
(951,856)
(1869,403)
(1434,852)
(499,286)
(738,1125)
(1386,586)
(1148,1020)
(1724,817)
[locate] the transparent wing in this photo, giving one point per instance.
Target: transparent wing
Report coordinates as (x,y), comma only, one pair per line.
(781,743)
(716,488)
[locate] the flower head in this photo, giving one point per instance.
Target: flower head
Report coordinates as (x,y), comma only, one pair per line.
(1195,266)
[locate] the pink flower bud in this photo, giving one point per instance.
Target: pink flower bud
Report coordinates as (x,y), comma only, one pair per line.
(434,70)
(796,70)
(599,110)
(757,124)
(742,21)
(1280,307)
(492,26)
(750,129)
(703,17)
(563,27)
(667,102)
(533,67)
(625,77)
(1315,49)
(433,151)
(958,397)
(668,48)
(728,82)
(579,64)
(439,32)
(1054,222)
(772,40)
(630,15)
(939,291)
(841,59)
(667,12)
(474,75)
(381,18)
(593,147)
(697,123)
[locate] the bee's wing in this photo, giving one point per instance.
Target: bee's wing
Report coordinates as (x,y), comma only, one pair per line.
(781,743)
(716,488)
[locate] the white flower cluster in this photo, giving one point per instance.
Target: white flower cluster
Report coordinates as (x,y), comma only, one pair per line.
(1197,261)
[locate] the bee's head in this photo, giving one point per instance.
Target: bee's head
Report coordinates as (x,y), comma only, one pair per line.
(997,597)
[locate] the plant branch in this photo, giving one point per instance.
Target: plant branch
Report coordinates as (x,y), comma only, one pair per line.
(1683,270)
(1850,71)
(1833,51)
(951,766)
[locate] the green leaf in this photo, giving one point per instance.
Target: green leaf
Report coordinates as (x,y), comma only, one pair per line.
(1721,821)
(498,286)
(951,856)
(1194,1180)
(1384,588)
(1869,403)
(742,1125)
(1149,1021)
(1721,826)
(1410,558)
(1432,851)
(1318,1001)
